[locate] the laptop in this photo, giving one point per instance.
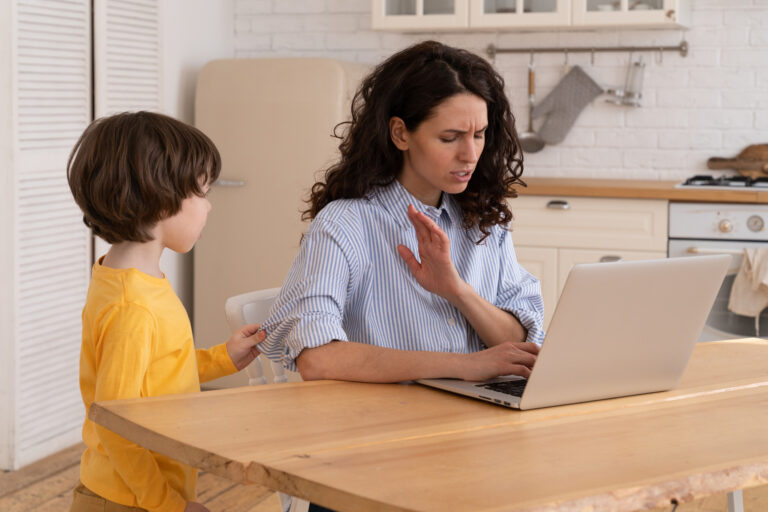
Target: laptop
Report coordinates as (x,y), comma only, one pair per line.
(619,329)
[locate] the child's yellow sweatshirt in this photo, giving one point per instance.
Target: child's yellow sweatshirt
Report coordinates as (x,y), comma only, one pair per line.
(137,342)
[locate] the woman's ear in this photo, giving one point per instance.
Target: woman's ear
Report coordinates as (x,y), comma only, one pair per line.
(398,133)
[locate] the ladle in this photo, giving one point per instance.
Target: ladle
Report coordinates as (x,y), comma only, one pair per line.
(530,140)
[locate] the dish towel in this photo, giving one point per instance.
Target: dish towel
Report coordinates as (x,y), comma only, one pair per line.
(749,294)
(564,104)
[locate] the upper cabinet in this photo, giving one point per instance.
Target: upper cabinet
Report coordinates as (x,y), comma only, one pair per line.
(420,14)
(413,15)
(495,14)
(639,13)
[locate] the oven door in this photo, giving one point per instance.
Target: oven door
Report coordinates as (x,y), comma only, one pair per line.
(721,322)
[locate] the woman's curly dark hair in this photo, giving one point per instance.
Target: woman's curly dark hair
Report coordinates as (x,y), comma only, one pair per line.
(409,85)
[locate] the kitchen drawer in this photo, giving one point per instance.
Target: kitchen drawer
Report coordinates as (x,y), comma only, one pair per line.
(578,222)
(567,258)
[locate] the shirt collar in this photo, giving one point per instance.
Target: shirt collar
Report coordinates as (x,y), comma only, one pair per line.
(395,199)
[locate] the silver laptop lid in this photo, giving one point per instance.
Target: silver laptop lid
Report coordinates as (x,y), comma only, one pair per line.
(623,329)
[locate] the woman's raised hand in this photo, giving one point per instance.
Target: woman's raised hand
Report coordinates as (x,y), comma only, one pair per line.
(435,273)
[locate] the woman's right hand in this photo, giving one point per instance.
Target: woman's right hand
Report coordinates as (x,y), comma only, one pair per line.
(508,358)
(193,506)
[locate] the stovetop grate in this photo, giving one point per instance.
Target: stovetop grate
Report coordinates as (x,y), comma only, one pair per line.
(705,180)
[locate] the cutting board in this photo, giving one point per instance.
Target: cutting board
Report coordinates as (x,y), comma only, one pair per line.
(752,161)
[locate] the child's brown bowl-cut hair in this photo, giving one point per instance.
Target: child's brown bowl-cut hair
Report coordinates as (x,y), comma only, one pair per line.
(130,170)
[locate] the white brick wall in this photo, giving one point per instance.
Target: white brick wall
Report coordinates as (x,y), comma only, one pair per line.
(711,103)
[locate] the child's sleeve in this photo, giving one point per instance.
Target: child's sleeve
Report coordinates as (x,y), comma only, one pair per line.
(214,362)
(123,352)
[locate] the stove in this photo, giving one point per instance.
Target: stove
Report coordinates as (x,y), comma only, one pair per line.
(724,182)
(721,228)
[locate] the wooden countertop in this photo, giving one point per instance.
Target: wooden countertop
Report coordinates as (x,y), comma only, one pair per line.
(395,448)
(636,189)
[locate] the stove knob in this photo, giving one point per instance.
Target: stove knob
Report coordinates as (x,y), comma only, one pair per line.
(755,223)
(725,226)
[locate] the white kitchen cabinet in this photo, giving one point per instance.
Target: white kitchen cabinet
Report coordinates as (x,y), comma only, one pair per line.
(638,13)
(500,14)
(418,15)
(567,258)
(552,234)
(542,263)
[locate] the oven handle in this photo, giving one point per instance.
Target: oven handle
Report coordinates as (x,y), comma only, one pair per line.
(699,250)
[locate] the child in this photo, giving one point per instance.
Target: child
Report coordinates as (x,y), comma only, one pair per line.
(141,181)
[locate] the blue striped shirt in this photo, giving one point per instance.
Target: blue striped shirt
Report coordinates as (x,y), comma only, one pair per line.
(349,283)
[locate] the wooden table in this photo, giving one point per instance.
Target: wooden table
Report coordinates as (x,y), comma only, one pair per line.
(387,447)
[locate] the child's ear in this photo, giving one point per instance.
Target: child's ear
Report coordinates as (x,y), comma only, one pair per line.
(398,133)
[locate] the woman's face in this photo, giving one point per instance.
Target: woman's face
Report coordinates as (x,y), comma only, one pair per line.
(440,155)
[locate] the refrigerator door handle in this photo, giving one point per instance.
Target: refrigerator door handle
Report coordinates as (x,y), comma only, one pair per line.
(229,183)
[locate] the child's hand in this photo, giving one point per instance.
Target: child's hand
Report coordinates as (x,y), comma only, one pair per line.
(242,345)
(193,506)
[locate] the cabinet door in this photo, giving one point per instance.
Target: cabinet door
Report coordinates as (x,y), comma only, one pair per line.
(542,263)
(419,14)
(519,13)
(567,258)
(640,13)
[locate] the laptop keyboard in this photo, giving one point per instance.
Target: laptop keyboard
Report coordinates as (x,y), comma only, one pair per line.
(510,387)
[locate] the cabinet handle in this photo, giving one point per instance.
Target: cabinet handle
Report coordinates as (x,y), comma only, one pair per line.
(559,204)
(229,183)
(610,259)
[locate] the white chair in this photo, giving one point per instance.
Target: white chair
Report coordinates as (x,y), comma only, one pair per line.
(253,308)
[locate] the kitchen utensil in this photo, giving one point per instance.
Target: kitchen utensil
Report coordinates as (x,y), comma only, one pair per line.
(564,103)
(631,94)
(752,161)
(530,140)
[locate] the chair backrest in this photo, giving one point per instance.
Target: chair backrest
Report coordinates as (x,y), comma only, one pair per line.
(253,308)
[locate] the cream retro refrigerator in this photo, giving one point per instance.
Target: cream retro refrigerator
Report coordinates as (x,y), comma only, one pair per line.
(272,120)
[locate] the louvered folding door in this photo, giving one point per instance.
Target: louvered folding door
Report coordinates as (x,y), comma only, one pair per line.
(45,103)
(48,261)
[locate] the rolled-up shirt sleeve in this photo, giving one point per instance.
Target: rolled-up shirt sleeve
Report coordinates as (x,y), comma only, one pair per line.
(519,292)
(309,310)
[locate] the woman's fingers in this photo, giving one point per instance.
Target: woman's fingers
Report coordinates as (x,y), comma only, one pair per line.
(529,347)
(524,358)
(515,353)
(422,231)
(409,259)
(427,230)
(519,370)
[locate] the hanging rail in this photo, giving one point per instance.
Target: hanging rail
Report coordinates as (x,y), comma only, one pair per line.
(492,50)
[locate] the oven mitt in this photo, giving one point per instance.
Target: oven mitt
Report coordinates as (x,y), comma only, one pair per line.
(749,293)
(564,104)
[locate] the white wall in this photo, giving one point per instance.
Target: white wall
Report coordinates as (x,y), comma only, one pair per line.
(711,103)
(206,34)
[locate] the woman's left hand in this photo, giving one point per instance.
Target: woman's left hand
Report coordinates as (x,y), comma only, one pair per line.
(436,272)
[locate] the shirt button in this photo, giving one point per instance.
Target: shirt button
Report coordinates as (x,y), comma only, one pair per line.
(451,321)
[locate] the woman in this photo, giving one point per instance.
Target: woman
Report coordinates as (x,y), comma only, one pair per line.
(427,163)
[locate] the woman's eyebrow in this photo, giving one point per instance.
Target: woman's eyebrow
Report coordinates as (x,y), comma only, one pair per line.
(460,132)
